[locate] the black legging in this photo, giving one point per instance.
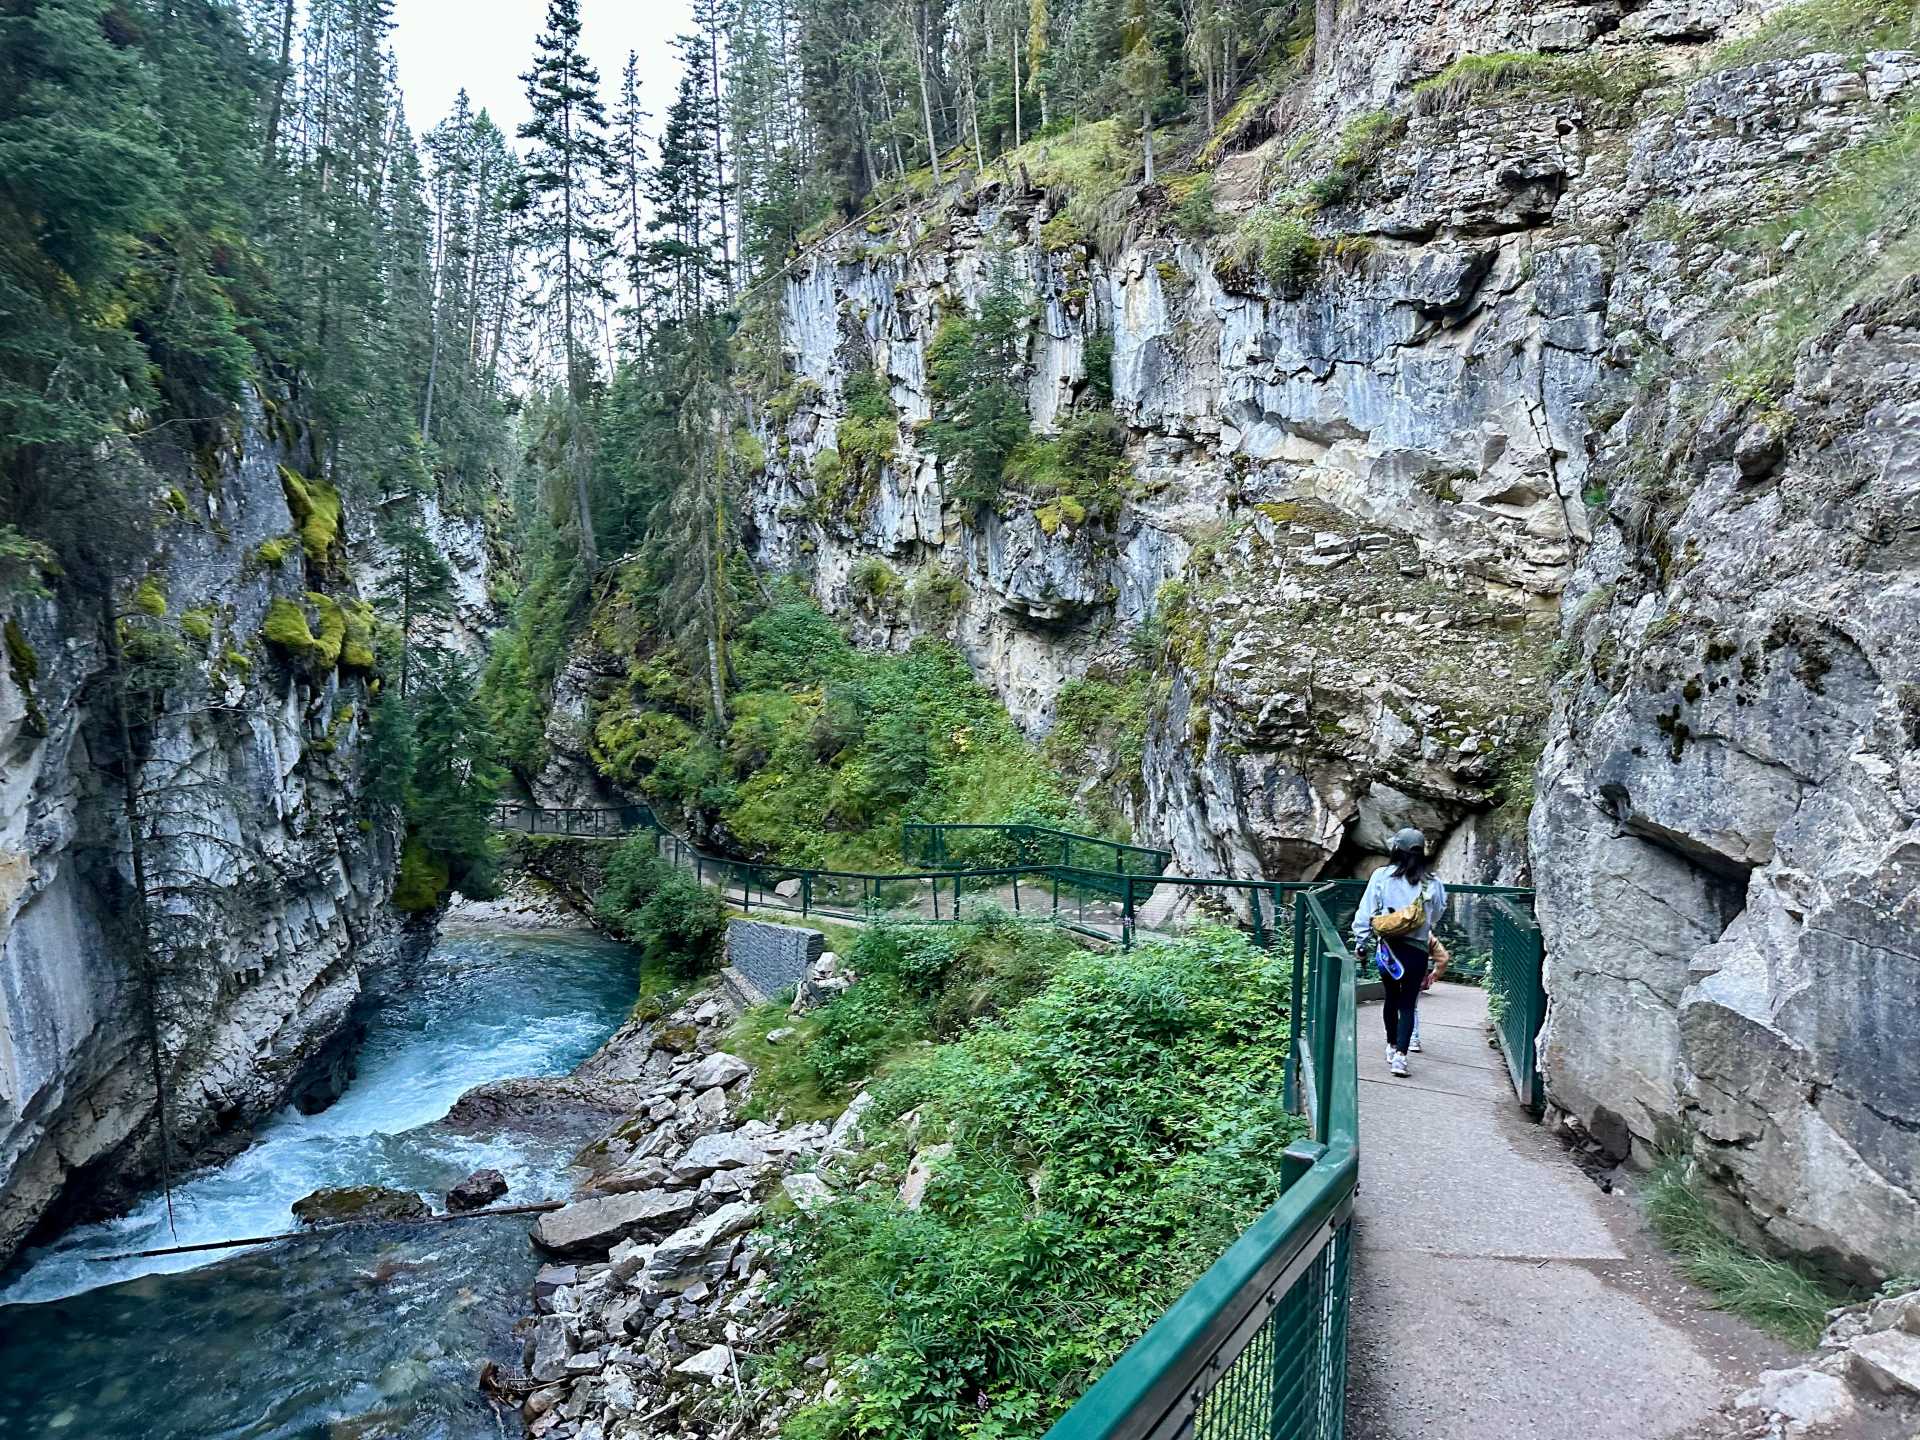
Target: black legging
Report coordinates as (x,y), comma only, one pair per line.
(1403,994)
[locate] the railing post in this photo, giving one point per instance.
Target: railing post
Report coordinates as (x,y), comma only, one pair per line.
(1016,892)
(1291,1087)
(806,893)
(746,895)
(1126,912)
(956,893)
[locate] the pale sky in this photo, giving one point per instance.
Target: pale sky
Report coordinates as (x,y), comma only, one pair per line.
(486,44)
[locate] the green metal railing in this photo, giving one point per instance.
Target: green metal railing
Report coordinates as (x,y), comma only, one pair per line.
(1518,995)
(1257,1348)
(946,845)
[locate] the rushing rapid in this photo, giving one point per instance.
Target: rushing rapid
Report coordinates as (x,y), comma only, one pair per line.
(354,1333)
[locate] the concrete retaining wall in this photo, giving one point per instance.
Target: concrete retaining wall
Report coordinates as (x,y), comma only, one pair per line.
(772,957)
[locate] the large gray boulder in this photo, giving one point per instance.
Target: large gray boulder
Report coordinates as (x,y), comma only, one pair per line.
(1727,835)
(590,1228)
(730,1151)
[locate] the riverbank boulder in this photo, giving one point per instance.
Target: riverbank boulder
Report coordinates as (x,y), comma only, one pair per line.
(477,1191)
(588,1229)
(342,1203)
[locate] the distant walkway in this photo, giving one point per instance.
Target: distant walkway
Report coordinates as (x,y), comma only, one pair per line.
(1498,1294)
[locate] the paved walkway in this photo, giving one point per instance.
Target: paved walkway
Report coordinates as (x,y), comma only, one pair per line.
(1497,1291)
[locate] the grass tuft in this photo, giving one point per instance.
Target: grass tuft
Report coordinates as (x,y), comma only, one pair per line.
(1775,1295)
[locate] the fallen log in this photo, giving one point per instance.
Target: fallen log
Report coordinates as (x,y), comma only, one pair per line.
(537,1207)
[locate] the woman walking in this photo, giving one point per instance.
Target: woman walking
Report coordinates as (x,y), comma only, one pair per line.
(1393,929)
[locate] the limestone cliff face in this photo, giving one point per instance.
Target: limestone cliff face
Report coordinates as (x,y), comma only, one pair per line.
(270,871)
(1729,821)
(1360,501)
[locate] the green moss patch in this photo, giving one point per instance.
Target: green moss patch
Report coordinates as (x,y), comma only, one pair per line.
(316,512)
(313,635)
(149,598)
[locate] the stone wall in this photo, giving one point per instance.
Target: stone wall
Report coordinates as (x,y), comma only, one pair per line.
(772,957)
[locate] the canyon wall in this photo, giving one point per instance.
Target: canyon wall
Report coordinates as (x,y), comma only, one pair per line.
(1485,454)
(268,867)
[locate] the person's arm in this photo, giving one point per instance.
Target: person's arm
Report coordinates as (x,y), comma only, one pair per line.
(1362,917)
(1436,948)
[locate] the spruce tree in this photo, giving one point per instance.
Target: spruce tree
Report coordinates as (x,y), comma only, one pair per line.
(567,170)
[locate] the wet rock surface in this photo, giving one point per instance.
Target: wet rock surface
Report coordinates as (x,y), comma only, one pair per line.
(359,1202)
(477,1191)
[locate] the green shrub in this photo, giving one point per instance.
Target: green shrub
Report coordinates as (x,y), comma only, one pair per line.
(677,923)
(1085,464)
(1279,246)
(1195,216)
(873,580)
(871,431)
(1098,359)
(1362,145)
(197,624)
(288,629)
(149,598)
(1111,1135)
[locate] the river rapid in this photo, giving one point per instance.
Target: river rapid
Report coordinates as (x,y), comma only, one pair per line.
(346,1336)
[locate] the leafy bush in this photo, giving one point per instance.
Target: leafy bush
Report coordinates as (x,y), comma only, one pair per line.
(1086,462)
(871,432)
(1279,246)
(1111,1135)
(677,923)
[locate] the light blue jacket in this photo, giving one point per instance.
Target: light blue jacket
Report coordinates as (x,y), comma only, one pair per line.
(1388,891)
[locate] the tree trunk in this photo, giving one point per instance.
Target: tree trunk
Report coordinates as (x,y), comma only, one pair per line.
(1013,38)
(719,164)
(926,102)
(1146,142)
(280,76)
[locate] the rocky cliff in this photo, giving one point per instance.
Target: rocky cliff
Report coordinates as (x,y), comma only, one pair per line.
(267,867)
(1471,417)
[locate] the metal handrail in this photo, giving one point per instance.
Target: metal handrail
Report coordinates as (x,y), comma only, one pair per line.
(1291,1264)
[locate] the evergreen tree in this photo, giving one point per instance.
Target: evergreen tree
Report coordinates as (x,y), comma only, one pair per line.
(567,168)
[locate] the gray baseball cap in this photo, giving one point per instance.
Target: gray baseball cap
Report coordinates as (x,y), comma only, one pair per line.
(1407,839)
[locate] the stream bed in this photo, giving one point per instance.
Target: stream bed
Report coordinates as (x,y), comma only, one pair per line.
(360,1333)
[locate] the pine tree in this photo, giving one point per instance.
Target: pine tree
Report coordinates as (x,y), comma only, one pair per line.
(568,167)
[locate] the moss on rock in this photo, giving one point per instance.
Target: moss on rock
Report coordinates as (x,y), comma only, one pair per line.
(316,512)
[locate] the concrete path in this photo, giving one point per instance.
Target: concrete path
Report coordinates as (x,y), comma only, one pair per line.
(1497,1291)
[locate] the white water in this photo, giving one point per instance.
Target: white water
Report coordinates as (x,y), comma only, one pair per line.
(404,1335)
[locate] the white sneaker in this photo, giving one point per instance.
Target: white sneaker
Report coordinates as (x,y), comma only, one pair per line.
(1398,1064)
(1414,1047)
(1391,1052)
